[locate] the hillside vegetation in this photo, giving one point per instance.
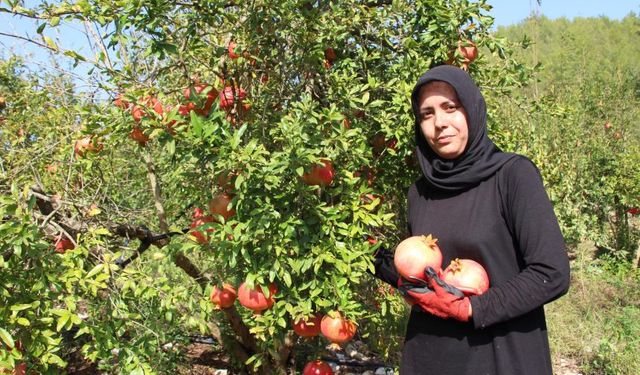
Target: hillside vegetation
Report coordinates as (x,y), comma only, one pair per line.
(580,120)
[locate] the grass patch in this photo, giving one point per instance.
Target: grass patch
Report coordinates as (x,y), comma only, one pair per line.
(597,323)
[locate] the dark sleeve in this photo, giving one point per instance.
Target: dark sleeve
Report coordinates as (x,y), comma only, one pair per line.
(383,262)
(384,268)
(544,275)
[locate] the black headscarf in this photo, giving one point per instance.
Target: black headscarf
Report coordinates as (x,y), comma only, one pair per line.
(481,157)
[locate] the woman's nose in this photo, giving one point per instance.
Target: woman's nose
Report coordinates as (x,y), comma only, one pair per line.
(439,120)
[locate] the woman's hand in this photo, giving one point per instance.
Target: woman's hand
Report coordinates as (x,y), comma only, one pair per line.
(437,297)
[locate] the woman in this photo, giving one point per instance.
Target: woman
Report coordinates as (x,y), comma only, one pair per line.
(485,205)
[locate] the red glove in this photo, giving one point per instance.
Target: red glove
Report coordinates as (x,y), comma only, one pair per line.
(437,297)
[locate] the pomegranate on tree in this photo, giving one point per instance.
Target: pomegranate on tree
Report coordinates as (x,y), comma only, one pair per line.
(139,111)
(317,367)
(416,253)
(229,95)
(138,135)
(254,299)
(63,243)
(120,102)
(231,49)
(330,55)
(199,219)
(467,275)
(309,327)
(337,329)
(200,89)
(223,298)
(320,175)
(219,205)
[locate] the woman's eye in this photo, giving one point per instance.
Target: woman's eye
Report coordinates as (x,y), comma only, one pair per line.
(427,115)
(452,107)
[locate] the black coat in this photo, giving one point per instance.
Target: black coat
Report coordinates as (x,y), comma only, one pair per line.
(507,224)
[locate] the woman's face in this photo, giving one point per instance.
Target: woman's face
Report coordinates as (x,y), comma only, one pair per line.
(443,120)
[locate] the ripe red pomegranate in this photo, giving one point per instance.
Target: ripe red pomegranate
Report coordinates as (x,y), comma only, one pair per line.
(337,329)
(138,135)
(254,299)
(139,111)
(468,50)
(205,108)
(63,243)
(200,219)
(467,275)
(223,298)
(219,204)
(231,49)
(320,175)
(414,254)
(309,327)
(120,102)
(330,55)
(227,98)
(317,367)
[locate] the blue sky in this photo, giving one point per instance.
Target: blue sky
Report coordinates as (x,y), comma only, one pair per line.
(507,12)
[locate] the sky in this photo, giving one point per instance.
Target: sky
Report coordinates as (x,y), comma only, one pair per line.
(508,12)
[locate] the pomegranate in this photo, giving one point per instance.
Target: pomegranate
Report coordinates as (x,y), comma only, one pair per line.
(225,180)
(200,219)
(120,102)
(138,135)
(633,210)
(337,329)
(414,254)
(372,240)
(254,299)
(317,367)
(468,50)
(330,55)
(205,108)
(309,327)
(139,111)
(223,298)
(219,205)
(467,275)
(320,175)
(231,49)
(63,243)
(228,96)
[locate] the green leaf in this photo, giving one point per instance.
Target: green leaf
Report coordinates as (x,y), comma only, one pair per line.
(97,269)
(50,43)
(54,21)
(40,28)
(6,338)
